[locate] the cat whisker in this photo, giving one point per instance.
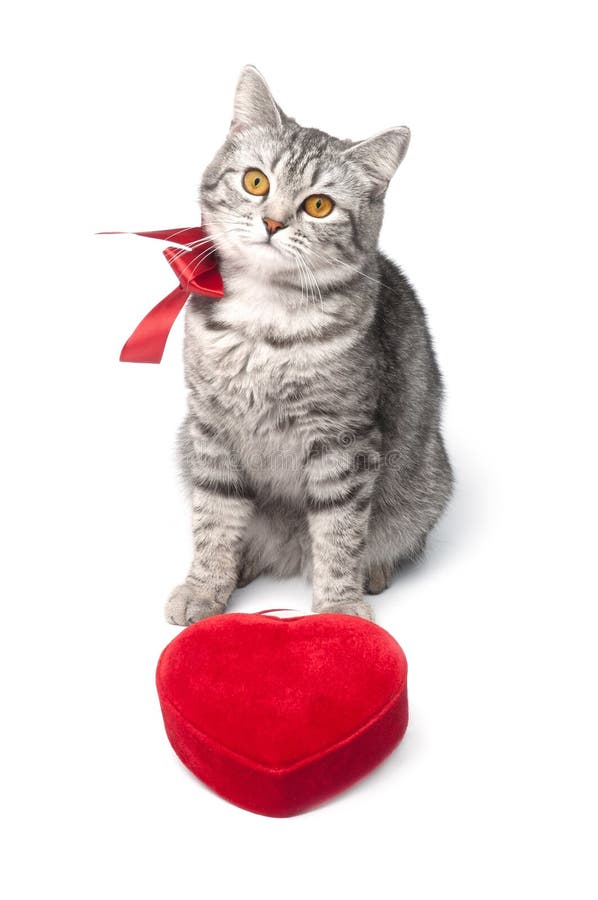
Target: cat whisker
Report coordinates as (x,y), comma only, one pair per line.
(310,278)
(312,274)
(311,294)
(347,265)
(202,259)
(304,279)
(204,254)
(186,249)
(210,237)
(182,231)
(194,245)
(299,270)
(238,227)
(225,220)
(181,253)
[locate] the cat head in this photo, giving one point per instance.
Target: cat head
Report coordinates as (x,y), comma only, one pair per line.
(278,197)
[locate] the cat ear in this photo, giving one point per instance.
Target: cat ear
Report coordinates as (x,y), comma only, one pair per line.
(381,155)
(254,104)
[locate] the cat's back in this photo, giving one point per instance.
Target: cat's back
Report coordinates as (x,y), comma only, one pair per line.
(410,380)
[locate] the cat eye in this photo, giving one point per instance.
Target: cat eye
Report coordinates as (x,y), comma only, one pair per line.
(256,183)
(318,206)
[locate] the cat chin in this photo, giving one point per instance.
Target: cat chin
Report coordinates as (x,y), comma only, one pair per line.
(267,258)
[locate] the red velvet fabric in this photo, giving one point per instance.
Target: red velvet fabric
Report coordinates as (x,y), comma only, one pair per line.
(277,715)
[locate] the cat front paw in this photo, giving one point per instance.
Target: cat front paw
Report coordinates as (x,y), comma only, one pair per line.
(188,604)
(351,608)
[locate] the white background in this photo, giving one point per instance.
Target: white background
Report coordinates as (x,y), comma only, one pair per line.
(111,112)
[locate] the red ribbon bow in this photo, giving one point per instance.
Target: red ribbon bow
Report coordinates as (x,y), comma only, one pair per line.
(197,270)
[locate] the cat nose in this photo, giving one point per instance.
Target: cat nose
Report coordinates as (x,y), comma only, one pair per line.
(272,226)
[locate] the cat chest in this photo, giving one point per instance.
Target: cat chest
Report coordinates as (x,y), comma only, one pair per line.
(266,397)
(270,438)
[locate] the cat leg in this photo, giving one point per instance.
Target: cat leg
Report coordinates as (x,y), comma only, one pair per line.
(403,514)
(339,497)
(222,506)
(219,523)
(380,573)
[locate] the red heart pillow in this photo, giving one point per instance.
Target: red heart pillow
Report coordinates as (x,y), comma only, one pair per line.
(276,715)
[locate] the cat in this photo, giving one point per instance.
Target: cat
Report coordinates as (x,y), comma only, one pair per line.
(312,442)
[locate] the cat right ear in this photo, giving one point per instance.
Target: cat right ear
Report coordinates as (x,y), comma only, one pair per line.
(254,104)
(381,155)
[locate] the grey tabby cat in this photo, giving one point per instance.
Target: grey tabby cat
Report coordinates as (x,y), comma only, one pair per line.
(312,442)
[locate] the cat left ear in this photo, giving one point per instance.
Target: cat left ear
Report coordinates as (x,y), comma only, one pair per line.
(381,155)
(254,104)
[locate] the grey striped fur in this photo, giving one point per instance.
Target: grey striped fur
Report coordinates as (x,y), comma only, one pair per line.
(312,442)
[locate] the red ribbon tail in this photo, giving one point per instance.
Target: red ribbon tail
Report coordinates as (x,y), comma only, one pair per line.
(146,344)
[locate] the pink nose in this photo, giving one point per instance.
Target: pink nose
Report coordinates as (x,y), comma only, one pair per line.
(272,226)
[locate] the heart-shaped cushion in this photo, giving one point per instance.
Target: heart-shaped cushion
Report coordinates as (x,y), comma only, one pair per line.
(277,715)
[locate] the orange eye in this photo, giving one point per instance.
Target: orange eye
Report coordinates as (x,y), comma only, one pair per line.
(318,206)
(255,182)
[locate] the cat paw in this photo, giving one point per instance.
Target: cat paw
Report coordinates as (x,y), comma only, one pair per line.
(378,578)
(186,605)
(359,608)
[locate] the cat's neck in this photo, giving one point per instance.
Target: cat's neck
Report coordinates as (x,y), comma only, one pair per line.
(238,275)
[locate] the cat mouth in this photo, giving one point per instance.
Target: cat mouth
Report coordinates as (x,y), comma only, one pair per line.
(266,243)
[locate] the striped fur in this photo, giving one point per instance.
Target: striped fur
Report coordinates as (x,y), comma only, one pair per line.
(312,442)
